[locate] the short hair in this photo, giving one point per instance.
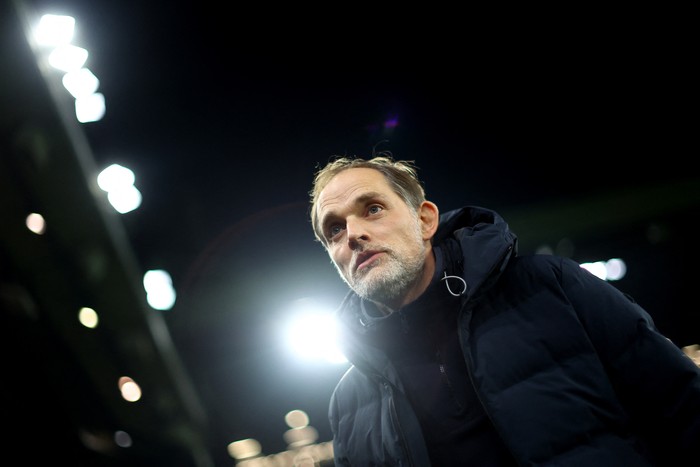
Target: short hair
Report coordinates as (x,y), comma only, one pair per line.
(402,176)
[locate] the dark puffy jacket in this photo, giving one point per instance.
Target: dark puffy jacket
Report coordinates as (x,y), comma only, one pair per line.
(571,371)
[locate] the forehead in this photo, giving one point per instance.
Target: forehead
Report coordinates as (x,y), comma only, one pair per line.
(352,183)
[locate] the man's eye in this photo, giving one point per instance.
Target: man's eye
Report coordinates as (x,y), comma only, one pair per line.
(374,209)
(334,230)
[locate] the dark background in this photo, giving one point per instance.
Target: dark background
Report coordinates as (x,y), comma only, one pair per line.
(582,137)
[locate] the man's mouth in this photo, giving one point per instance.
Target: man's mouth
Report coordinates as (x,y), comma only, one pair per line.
(365,259)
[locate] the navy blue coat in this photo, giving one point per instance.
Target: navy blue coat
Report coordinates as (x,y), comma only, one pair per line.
(571,371)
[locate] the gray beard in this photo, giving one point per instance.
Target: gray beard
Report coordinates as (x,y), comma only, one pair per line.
(391,284)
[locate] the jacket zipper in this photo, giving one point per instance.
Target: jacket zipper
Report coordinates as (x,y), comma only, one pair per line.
(443,374)
(466,353)
(443,370)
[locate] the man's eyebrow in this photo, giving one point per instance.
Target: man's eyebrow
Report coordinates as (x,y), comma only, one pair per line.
(369,196)
(360,200)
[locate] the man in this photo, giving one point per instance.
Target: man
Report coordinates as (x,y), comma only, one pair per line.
(465,353)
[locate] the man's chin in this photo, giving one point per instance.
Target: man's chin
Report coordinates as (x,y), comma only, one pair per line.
(363,289)
(369,291)
(366,276)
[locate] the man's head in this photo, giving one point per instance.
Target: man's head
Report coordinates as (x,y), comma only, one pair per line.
(373,219)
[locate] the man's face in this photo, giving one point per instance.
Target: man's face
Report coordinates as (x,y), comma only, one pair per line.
(374,238)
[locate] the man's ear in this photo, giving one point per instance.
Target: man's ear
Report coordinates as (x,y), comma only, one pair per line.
(430,218)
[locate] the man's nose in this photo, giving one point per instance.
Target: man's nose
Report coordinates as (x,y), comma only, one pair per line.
(356,231)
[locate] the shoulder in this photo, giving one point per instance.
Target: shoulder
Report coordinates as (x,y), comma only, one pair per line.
(566,272)
(353,385)
(563,280)
(544,262)
(354,391)
(542,266)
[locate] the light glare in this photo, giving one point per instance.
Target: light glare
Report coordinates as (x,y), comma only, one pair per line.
(597,268)
(54,30)
(90,108)
(125,199)
(615,269)
(244,448)
(81,82)
(35,222)
(611,270)
(129,389)
(311,336)
(115,177)
(118,182)
(122,439)
(88,317)
(160,293)
(68,58)
(296,419)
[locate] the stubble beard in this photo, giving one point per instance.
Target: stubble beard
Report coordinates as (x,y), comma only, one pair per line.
(389,278)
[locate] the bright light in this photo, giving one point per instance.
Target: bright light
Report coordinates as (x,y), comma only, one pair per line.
(296,419)
(297,437)
(159,289)
(36,223)
(615,269)
(81,82)
(612,270)
(90,108)
(244,448)
(125,199)
(311,335)
(88,317)
(122,439)
(115,177)
(129,389)
(118,182)
(68,58)
(54,30)
(597,268)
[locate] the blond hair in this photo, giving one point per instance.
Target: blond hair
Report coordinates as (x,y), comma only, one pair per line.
(401,175)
